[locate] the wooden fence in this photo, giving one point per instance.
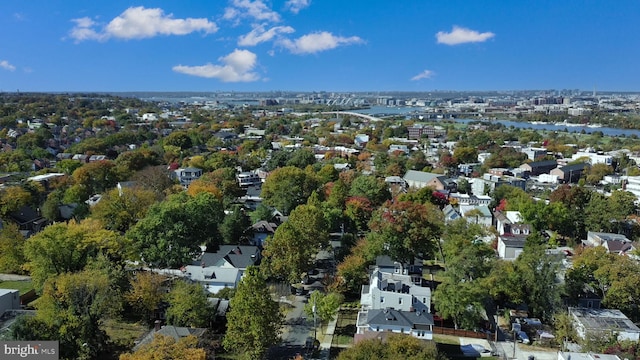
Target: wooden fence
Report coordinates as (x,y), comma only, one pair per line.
(460,332)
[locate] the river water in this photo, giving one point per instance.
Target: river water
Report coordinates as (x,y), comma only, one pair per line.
(387,111)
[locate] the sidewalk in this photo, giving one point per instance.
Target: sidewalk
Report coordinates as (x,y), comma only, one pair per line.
(325,344)
(13,277)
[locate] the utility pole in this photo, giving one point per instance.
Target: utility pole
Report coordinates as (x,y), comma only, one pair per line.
(315,328)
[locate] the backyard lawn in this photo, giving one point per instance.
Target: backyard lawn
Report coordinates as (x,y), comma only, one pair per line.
(24,285)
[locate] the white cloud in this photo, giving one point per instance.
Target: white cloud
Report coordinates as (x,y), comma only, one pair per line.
(4,64)
(460,35)
(296,5)
(138,23)
(235,67)
(84,30)
(259,34)
(427,74)
(256,9)
(316,42)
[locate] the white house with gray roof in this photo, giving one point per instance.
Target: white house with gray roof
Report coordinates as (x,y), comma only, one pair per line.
(416,323)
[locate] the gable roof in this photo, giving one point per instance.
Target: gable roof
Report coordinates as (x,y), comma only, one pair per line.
(450,213)
(239,256)
(575,167)
(405,319)
(421,176)
(544,163)
(24,215)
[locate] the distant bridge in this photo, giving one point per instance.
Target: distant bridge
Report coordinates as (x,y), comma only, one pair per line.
(364,116)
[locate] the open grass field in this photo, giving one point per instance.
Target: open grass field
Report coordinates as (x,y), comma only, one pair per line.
(24,285)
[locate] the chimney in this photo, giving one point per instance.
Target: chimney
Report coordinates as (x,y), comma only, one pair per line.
(157,325)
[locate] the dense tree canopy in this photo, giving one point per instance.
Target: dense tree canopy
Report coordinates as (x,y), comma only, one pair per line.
(63,248)
(290,252)
(188,305)
(405,230)
(288,187)
(397,346)
(173,230)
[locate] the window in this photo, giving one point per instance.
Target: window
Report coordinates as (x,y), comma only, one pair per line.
(399,301)
(381,299)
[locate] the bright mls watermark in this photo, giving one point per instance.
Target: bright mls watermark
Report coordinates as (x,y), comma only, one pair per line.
(37,350)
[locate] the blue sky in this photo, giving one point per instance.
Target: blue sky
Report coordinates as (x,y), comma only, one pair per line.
(319,45)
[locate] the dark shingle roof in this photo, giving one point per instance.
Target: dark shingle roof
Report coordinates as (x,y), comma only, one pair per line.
(239,256)
(388,317)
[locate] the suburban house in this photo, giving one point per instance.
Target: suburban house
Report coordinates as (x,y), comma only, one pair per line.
(538,167)
(249,178)
(510,223)
(417,324)
(224,268)
(603,322)
(420,179)
(260,231)
(466,199)
(477,214)
(187,175)
(450,214)
(614,243)
(394,301)
(510,247)
(570,173)
(489,182)
(9,300)
(28,220)
(361,140)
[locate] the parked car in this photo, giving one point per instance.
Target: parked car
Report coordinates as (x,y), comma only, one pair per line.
(522,337)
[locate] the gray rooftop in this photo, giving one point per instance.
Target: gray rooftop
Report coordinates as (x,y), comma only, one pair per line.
(391,317)
(604,319)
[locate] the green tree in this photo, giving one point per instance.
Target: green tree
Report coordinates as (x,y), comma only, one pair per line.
(372,188)
(12,257)
(460,302)
(262,212)
(166,347)
(146,293)
(254,319)
(564,328)
(66,248)
(465,154)
(302,158)
(326,305)
(179,139)
(173,230)
(97,176)
(397,346)
(537,271)
(405,231)
(12,198)
(235,225)
(188,305)
(597,172)
(75,305)
(119,210)
(288,187)
(290,252)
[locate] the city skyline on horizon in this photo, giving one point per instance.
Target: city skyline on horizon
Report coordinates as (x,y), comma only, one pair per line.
(307,46)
